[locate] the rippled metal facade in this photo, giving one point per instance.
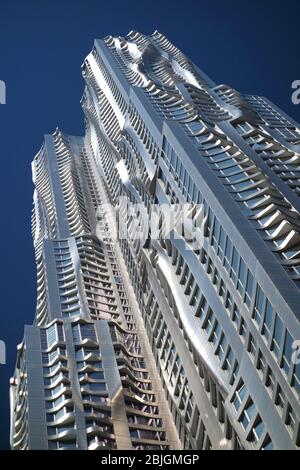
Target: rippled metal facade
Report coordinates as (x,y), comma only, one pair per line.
(221,320)
(82,378)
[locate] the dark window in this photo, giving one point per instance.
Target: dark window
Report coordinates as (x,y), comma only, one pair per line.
(252,345)
(266,331)
(215,333)
(215,234)
(241,277)
(287,352)
(296,378)
(222,347)
(278,330)
(249,289)
(270,382)
(227,254)
(196,296)
(234,265)
(239,396)
(234,372)
(258,429)
(236,316)
(247,414)
(243,328)
(228,303)
(268,444)
(261,362)
(221,244)
(216,278)
(280,398)
(228,359)
(222,289)
(291,419)
(259,305)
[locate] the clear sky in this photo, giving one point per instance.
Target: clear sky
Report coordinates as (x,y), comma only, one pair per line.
(252,45)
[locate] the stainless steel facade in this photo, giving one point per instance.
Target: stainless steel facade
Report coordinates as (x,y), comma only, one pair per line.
(82,377)
(221,320)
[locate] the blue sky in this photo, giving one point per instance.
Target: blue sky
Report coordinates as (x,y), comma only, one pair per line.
(250,45)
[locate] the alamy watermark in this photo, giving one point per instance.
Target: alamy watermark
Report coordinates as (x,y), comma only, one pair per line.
(2,352)
(164,221)
(184,222)
(296,93)
(2,92)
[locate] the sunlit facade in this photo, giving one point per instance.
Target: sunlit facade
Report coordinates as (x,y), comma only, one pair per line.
(217,325)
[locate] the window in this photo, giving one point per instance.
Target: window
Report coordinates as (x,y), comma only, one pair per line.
(247,414)
(216,278)
(261,362)
(180,265)
(175,370)
(62,445)
(227,254)
(228,303)
(209,266)
(51,335)
(184,397)
(239,396)
(171,355)
(190,285)
(215,234)
(258,430)
(222,289)
(83,331)
(97,375)
(96,387)
(287,352)
(189,409)
(296,378)
(259,305)
(58,401)
(221,244)
(196,296)
(280,398)
(278,330)
(185,275)
(236,316)
(208,322)
(234,372)
(222,347)
(268,444)
(173,159)
(270,381)
(267,325)
(203,256)
(215,333)
(241,277)
(203,308)
(79,354)
(290,418)
(166,346)
(234,265)
(181,377)
(243,328)
(249,289)
(228,360)
(252,345)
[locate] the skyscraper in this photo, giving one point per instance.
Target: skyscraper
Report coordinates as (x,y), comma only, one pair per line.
(118,319)
(82,377)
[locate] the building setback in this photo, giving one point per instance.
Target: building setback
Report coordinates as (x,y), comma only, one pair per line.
(154,342)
